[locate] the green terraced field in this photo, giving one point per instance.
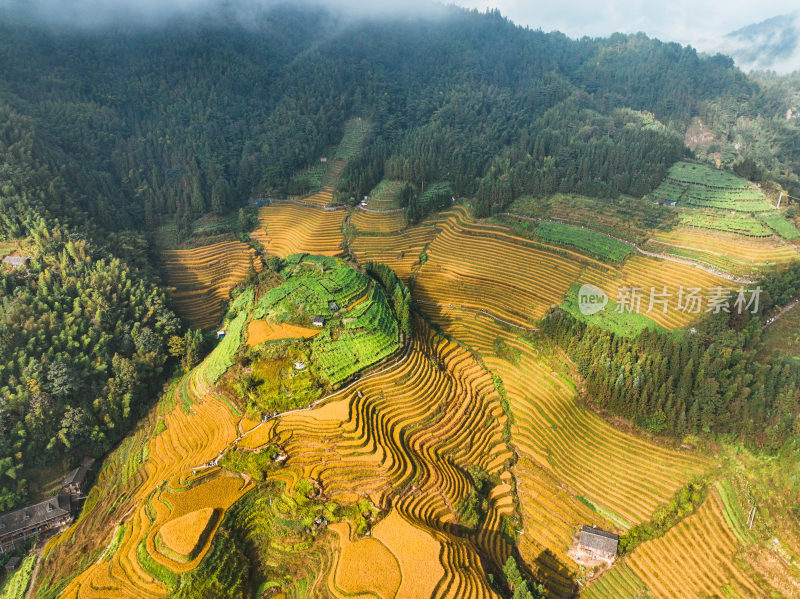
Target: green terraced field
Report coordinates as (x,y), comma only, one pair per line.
(781,226)
(701,186)
(732,223)
(597,244)
(360,326)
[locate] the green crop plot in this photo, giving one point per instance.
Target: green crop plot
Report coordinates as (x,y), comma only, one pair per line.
(697,185)
(732,223)
(597,244)
(781,226)
(17,583)
(359,328)
(368,334)
(625,324)
(385,195)
(355,131)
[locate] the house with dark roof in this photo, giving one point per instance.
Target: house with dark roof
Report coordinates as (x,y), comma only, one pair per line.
(73,483)
(29,521)
(599,543)
(318,321)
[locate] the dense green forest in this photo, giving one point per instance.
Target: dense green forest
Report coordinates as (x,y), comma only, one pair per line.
(197,114)
(106,131)
(712,380)
(83,328)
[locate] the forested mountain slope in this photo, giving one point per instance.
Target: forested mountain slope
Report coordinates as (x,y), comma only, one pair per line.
(106,131)
(476,434)
(197,113)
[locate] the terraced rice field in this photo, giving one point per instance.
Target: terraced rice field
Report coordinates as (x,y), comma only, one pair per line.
(215,495)
(324,176)
(364,567)
(191,438)
(618,583)
(647,274)
(484,268)
(286,228)
(626,218)
(479,267)
(782,226)
(377,222)
(203,277)
(569,459)
(182,534)
(735,254)
(409,434)
(355,130)
(385,195)
(401,251)
(257,436)
(700,554)
(261,331)
(417,553)
(706,187)
(741,224)
(406,435)
(321,198)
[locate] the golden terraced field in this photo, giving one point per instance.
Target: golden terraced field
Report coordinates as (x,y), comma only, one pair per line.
(203,277)
(286,228)
(377,222)
(737,254)
(156,484)
(408,436)
(696,558)
(566,453)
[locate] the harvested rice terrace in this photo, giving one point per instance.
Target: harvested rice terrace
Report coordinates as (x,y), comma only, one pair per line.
(569,458)
(285,228)
(203,277)
(405,435)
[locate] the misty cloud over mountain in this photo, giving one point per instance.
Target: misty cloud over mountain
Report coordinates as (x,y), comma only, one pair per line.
(98,13)
(773,44)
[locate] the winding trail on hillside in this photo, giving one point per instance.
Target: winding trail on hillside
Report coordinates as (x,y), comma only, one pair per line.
(375,211)
(695,263)
(308,204)
(782,312)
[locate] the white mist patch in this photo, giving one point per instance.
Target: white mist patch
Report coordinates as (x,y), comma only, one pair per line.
(771,44)
(90,14)
(591,299)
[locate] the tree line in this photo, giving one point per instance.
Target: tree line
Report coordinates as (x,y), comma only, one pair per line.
(195,115)
(716,380)
(83,327)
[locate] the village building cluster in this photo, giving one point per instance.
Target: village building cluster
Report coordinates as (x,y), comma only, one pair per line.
(51,514)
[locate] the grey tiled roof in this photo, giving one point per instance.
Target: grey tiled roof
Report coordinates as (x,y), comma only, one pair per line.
(77,476)
(16,260)
(34,515)
(599,540)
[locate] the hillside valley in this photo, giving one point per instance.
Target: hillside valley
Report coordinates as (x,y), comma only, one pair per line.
(394,307)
